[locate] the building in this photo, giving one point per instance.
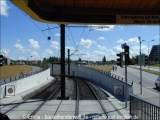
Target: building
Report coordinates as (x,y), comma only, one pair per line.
(155,53)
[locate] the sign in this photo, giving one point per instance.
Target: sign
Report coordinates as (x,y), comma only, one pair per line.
(10,90)
(118,90)
(138,19)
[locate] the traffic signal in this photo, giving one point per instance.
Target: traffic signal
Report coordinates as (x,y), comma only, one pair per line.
(1,60)
(145,60)
(120,59)
(126,52)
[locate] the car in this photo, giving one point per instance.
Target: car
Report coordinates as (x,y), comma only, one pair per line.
(157,83)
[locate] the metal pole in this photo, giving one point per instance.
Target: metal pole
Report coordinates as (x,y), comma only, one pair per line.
(148,55)
(52,68)
(126,86)
(140,67)
(68,62)
(62,61)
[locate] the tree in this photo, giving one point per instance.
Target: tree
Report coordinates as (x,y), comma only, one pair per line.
(104,59)
(79,60)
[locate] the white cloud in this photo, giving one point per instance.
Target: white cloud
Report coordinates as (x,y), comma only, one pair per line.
(102,27)
(85,44)
(130,40)
(102,47)
(22,58)
(48,51)
(70,48)
(101,38)
(4,7)
(4,52)
(156,37)
(33,44)
(99,52)
(117,49)
(55,45)
(135,50)
(34,54)
(57,34)
(121,41)
(133,40)
(20,48)
(121,28)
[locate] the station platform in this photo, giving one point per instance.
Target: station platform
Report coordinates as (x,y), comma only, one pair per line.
(63,109)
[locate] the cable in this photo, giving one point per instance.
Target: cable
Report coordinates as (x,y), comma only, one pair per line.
(81,36)
(30,20)
(88,33)
(69,38)
(50,31)
(72,37)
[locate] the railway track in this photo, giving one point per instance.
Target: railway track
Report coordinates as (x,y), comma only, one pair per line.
(90,92)
(84,91)
(41,105)
(15,105)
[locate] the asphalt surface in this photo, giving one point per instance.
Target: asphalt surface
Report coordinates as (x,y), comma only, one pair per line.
(148,79)
(149,91)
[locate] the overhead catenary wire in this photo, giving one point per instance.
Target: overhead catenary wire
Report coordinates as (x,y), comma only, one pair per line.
(30,20)
(81,36)
(69,39)
(72,37)
(50,31)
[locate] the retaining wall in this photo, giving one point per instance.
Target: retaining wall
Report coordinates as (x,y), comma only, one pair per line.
(27,82)
(106,81)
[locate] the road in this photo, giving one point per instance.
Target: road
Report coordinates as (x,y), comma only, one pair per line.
(149,91)
(148,79)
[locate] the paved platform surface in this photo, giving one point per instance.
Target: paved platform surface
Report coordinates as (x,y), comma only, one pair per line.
(63,108)
(59,108)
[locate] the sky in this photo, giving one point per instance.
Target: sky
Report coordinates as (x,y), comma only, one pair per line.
(23,38)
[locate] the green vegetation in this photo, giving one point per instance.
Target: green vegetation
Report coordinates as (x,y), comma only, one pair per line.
(9,71)
(156,65)
(149,71)
(101,68)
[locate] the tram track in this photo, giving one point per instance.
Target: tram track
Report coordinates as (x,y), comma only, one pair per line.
(84,90)
(41,105)
(80,96)
(29,97)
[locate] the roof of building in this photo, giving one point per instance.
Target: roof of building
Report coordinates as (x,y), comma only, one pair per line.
(87,11)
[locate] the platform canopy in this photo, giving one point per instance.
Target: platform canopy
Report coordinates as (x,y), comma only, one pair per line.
(92,11)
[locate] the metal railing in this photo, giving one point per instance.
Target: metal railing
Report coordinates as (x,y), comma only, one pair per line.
(143,110)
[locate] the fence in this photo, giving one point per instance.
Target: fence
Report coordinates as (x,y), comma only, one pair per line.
(143,109)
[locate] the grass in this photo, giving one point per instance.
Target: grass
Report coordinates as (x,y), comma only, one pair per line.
(101,68)
(9,71)
(156,65)
(149,71)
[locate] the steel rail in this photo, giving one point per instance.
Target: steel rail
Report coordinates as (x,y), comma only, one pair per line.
(101,104)
(39,107)
(24,101)
(77,100)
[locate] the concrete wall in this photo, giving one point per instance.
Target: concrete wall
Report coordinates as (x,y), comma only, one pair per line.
(106,81)
(26,83)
